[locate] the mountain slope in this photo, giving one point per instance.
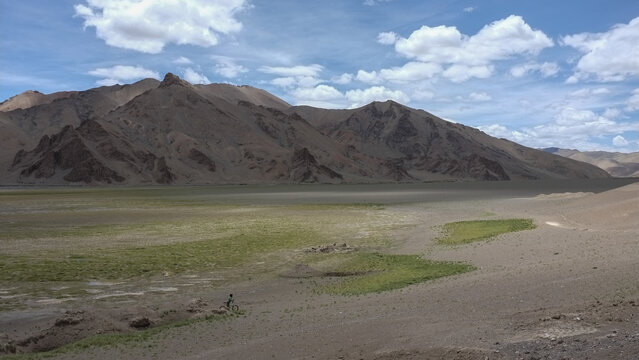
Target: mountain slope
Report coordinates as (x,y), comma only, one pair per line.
(234,94)
(32,98)
(616,164)
(425,146)
(22,128)
(174,132)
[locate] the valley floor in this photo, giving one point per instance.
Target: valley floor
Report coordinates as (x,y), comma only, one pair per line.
(567,289)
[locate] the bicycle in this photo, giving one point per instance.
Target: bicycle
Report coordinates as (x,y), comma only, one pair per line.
(233,308)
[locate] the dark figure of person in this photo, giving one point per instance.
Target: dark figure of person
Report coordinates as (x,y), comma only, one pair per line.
(229,301)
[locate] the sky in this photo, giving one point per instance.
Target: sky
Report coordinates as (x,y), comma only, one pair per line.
(541,73)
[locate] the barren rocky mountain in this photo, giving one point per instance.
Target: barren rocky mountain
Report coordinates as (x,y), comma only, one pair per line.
(615,163)
(173,132)
(32,98)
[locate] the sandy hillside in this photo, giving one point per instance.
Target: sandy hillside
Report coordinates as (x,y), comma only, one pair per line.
(615,163)
(612,210)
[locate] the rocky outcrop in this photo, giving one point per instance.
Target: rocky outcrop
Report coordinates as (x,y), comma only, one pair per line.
(201,159)
(66,151)
(306,169)
(81,155)
(396,170)
(172,80)
(472,167)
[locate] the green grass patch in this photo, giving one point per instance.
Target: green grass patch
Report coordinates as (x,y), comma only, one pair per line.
(372,272)
(115,339)
(127,262)
(463,232)
(213,238)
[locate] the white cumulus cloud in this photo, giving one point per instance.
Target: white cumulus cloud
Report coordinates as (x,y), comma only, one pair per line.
(571,128)
(612,113)
(459,57)
(620,141)
(194,77)
(318,93)
(147,26)
(409,72)
(121,74)
(387,38)
(499,40)
(632,103)
(343,79)
(299,76)
(500,131)
(460,73)
(359,97)
(412,71)
(227,67)
(182,60)
(608,56)
(368,77)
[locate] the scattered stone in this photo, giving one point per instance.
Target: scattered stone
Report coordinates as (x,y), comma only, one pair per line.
(196,306)
(334,248)
(140,322)
(68,320)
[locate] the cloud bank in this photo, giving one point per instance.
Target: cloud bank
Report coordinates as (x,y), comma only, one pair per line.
(122,74)
(148,26)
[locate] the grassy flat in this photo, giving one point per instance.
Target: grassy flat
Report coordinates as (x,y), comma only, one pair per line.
(105,234)
(464,232)
(372,272)
(226,240)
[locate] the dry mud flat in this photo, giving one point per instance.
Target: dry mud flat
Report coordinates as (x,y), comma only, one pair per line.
(565,290)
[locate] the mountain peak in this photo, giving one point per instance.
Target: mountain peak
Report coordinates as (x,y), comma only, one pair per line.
(171,79)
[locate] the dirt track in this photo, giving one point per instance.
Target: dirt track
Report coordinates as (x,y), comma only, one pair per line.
(564,290)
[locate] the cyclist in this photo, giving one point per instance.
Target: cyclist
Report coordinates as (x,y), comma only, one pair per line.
(229,301)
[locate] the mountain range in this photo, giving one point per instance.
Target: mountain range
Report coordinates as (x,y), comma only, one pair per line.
(615,163)
(174,132)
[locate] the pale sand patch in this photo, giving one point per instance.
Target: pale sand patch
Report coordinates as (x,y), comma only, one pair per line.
(118,294)
(617,209)
(562,196)
(54,301)
(163,289)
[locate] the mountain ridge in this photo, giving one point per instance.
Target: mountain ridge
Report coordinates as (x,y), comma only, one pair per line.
(615,163)
(174,132)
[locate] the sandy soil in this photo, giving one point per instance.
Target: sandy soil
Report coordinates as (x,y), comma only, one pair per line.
(565,290)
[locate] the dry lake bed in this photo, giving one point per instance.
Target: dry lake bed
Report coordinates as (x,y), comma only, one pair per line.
(498,270)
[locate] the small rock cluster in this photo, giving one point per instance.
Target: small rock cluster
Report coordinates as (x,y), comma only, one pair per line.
(334,248)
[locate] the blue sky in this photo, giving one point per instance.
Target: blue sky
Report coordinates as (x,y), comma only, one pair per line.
(541,73)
